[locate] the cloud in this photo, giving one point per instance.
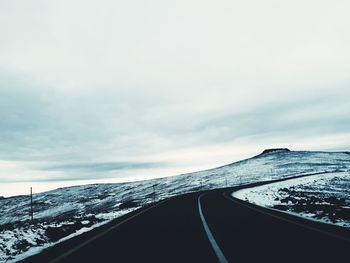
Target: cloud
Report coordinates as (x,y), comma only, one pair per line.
(101,167)
(107,87)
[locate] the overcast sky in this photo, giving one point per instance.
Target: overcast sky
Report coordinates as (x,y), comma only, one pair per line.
(123,90)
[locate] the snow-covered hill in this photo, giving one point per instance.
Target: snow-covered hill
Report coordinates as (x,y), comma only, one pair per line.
(65,212)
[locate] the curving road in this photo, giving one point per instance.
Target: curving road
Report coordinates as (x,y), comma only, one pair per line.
(208,226)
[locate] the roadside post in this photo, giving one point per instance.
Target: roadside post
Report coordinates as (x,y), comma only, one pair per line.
(31,205)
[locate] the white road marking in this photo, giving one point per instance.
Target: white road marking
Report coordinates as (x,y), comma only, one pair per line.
(210,236)
(69,252)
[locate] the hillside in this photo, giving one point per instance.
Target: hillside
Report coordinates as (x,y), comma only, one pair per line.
(65,212)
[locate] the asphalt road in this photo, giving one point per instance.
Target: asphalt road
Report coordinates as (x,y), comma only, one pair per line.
(205,227)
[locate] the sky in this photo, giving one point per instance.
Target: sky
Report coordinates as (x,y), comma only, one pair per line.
(112,91)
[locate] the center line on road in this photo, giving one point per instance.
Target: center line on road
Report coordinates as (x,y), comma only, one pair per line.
(210,236)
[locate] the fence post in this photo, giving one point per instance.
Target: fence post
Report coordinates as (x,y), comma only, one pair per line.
(31,204)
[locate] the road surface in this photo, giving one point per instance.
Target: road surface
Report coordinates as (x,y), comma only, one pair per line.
(208,226)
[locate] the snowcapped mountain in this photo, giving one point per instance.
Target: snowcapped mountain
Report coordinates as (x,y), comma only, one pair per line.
(65,212)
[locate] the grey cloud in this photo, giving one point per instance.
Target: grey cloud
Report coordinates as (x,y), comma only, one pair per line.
(41,125)
(103,167)
(96,88)
(307,115)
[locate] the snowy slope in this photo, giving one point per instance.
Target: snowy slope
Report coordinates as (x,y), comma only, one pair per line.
(64,212)
(323,197)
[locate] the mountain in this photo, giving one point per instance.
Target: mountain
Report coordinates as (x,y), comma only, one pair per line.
(65,212)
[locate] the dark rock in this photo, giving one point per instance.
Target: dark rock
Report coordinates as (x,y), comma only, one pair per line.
(273,150)
(128,204)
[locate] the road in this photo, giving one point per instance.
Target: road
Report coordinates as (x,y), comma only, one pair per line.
(208,226)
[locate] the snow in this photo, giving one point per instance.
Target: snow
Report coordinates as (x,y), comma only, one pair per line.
(11,237)
(322,197)
(266,195)
(65,212)
(113,215)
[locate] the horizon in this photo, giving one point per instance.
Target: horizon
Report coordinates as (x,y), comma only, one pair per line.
(117,91)
(40,187)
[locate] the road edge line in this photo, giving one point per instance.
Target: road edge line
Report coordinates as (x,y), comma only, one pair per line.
(71,251)
(232,199)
